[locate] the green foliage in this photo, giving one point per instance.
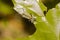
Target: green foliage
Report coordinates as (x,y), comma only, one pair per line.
(47,27)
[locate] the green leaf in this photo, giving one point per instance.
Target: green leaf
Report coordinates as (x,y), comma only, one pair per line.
(53,17)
